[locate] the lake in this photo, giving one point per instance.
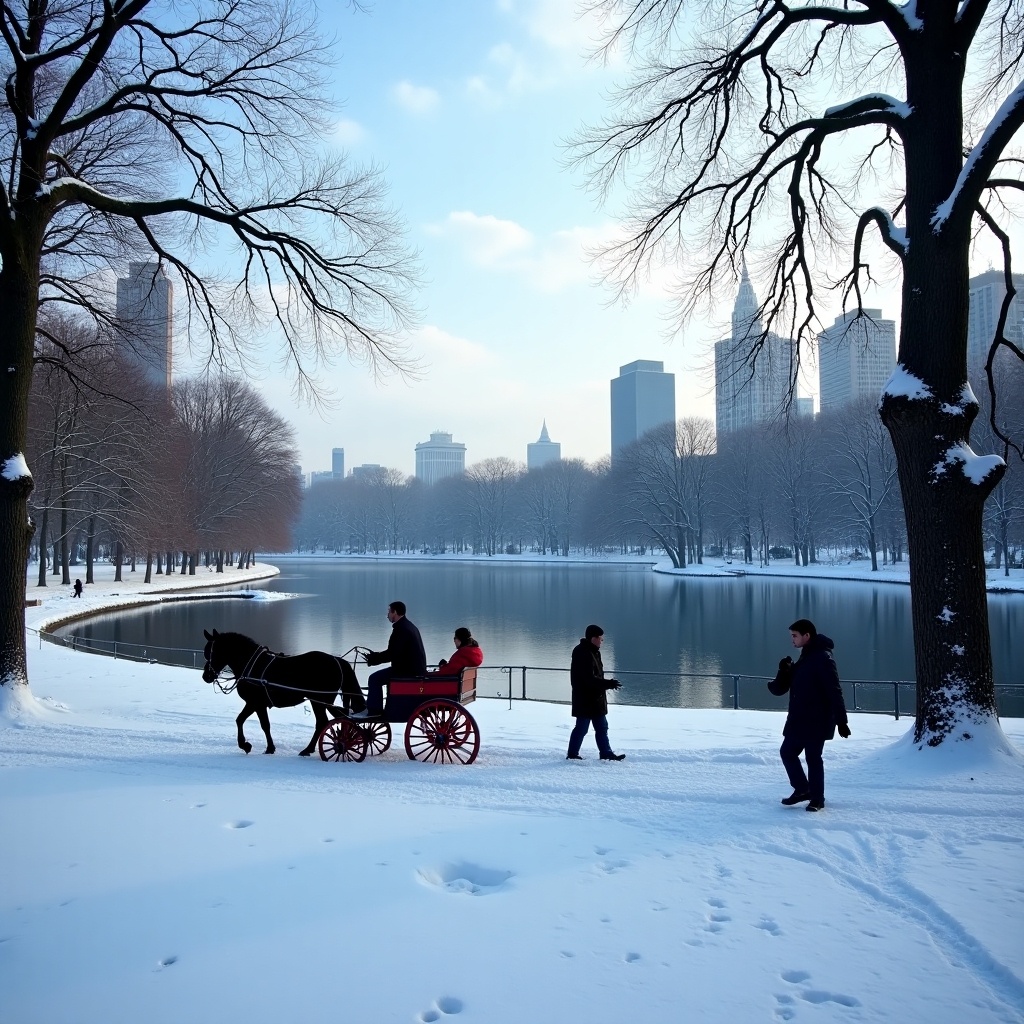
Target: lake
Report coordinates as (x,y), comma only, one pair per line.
(661,630)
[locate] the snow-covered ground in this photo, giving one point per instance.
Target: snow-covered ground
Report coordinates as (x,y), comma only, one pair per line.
(840,569)
(153,872)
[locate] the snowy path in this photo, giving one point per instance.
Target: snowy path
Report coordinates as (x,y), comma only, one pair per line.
(156,873)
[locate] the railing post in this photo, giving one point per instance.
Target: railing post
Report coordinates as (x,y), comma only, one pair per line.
(524,683)
(896,702)
(115,650)
(735,693)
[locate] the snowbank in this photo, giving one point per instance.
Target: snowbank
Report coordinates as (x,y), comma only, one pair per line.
(154,872)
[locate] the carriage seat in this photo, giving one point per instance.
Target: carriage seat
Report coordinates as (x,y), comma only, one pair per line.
(461,688)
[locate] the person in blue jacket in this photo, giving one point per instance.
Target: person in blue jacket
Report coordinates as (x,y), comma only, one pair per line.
(816,711)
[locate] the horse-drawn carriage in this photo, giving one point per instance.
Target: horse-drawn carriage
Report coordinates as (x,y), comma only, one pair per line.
(438,728)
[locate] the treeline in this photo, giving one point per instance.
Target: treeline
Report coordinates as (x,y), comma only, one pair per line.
(127,473)
(797,490)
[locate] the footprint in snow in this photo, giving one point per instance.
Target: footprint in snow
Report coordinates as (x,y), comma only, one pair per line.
(795,977)
(817,997)
(471,879)
(631,958)
(446,1006)
(241,823)
(168,960)
(767,924)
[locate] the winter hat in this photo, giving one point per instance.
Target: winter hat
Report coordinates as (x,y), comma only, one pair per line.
(593,631)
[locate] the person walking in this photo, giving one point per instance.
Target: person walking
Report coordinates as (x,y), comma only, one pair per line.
(816,711)
(404,651)
(590,696)
(77,589)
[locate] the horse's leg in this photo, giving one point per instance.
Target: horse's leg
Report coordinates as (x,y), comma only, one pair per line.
(264,717)
(242,741)
(320,717)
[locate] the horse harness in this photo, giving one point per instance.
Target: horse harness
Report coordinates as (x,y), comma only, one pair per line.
(255,671)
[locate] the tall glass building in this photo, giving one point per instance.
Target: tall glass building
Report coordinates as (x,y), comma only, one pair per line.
(643,397)
(145,309)
(856,357)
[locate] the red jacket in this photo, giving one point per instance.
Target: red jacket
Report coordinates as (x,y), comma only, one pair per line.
(464,657)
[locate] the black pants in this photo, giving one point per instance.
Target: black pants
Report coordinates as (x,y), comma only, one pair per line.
(814,781)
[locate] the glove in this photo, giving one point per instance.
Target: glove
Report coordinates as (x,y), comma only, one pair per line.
(613,684)
(785,664)
(442,663)
(843,730)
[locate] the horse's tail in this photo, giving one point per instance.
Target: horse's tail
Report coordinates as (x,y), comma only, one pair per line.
(351,692)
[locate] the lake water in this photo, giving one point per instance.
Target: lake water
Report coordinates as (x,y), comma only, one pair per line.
(660,630)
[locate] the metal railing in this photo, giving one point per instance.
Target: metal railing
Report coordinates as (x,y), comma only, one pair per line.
(738,691)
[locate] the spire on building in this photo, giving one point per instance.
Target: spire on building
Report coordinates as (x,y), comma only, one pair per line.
(543,450)
(745,320)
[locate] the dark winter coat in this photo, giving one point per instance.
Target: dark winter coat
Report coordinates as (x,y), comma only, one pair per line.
(816,704)
(589,686)
(405,651)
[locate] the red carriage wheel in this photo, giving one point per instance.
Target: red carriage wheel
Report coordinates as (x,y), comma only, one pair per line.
(444,732)
(342,740)
(378,736)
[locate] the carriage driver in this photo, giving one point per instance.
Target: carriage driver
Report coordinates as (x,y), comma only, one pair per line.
(405,652)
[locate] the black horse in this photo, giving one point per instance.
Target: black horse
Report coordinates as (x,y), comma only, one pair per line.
(268,680)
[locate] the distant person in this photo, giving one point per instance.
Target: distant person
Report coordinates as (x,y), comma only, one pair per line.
(77,589)
(590,696)
(404,651)
(816,711)
(468,654)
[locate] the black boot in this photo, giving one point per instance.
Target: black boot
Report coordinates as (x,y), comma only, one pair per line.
(610,755)
(574,757)
(796,797)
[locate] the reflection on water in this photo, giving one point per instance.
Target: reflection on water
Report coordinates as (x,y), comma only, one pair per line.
(657,626)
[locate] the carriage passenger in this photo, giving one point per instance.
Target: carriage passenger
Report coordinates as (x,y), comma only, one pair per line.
(468,654)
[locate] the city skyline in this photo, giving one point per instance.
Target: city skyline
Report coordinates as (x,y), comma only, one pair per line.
(516,326)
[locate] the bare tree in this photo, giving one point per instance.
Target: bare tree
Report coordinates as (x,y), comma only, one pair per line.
(724,136)
(132,127)
(490,496)
(861,471)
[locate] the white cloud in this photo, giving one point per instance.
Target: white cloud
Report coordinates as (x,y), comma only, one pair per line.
(417,99)
(348,132)
(488,240)
(551,264)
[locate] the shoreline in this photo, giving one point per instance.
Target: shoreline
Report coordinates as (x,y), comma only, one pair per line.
(52,607)
(845,572)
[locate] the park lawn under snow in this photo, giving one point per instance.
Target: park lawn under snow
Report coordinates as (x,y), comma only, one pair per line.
(153,872)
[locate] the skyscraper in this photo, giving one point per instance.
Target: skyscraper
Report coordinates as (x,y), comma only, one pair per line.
(145,308)
(439,457)
(543,450)
(338,462)
(746,395)
(987,293)
(643,397)
(856,356)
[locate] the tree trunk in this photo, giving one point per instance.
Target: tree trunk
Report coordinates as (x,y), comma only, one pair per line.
(149,567)
(65,567)
(41,581)
(90,550)
(118,559)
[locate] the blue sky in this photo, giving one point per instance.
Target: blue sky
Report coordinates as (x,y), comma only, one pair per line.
(466,105)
